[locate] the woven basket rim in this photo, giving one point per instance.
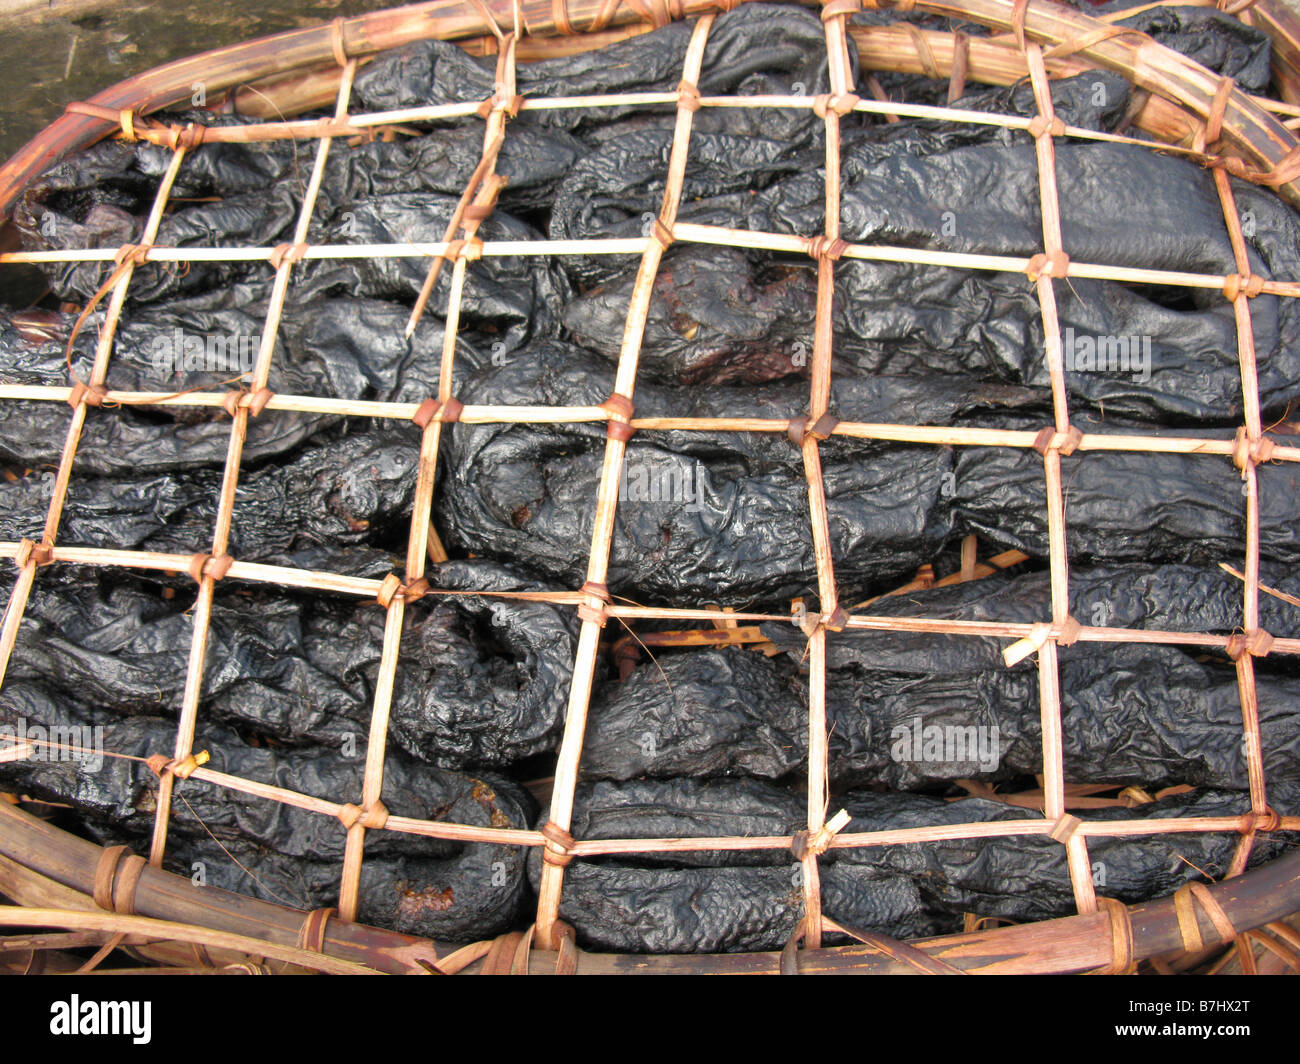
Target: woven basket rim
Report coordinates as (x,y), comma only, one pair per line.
(1264,147)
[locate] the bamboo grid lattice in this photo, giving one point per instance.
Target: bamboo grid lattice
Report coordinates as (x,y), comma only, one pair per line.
(593,603)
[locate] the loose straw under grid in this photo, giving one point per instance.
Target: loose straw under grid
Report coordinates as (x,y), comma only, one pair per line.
(207,579)
(777,242)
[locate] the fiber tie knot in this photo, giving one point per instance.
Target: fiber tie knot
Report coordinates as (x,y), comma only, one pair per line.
(1121,935)
(470,250)
(191,136)
(836,620)
(258,400)
(823,427)
(135,254)
(594,613)
(1041,126)
(799,430)
(1066,443)
(338,45)
(823,247)
(501,101)
(373,816)
(558,850)
(1253,451)
(1057,265)
(287,253)
(485,202)
(117,874)
(688,96)
(1065,634)
(90,394)
(1248,284)
(311,935)
(253,402)
(1257,643)
(1287,169)
(815,843)
(1065,827)
(389,588)
(209,566)
(37,553)
(392,587)
(620,409)
(662,234)
(835,103)
(1266,820)
(162,765)
(1185,899)
(187,136)
(432,409)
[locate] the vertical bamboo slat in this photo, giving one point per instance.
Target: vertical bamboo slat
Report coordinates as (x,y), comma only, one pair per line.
(226,502)
(1054,259)
(566,770)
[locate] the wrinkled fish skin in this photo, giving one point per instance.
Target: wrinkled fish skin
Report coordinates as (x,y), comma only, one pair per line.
(480,681)
(733,901)
(702,742)
(428,886)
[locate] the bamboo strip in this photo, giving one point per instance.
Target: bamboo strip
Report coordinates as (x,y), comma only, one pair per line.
(566,771)
(202,612)
(1155,68)
(844,840)
(537,415)
(685,231)
(532,415)
(484,415)
(1251,584)
(1275,592)
(483,192)
(17,603)
(363,124)
(410,250)
(1076,852)
(1253,741)
(838,64)
(284,576)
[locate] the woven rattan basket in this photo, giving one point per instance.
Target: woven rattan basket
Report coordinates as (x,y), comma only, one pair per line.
(98,896)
